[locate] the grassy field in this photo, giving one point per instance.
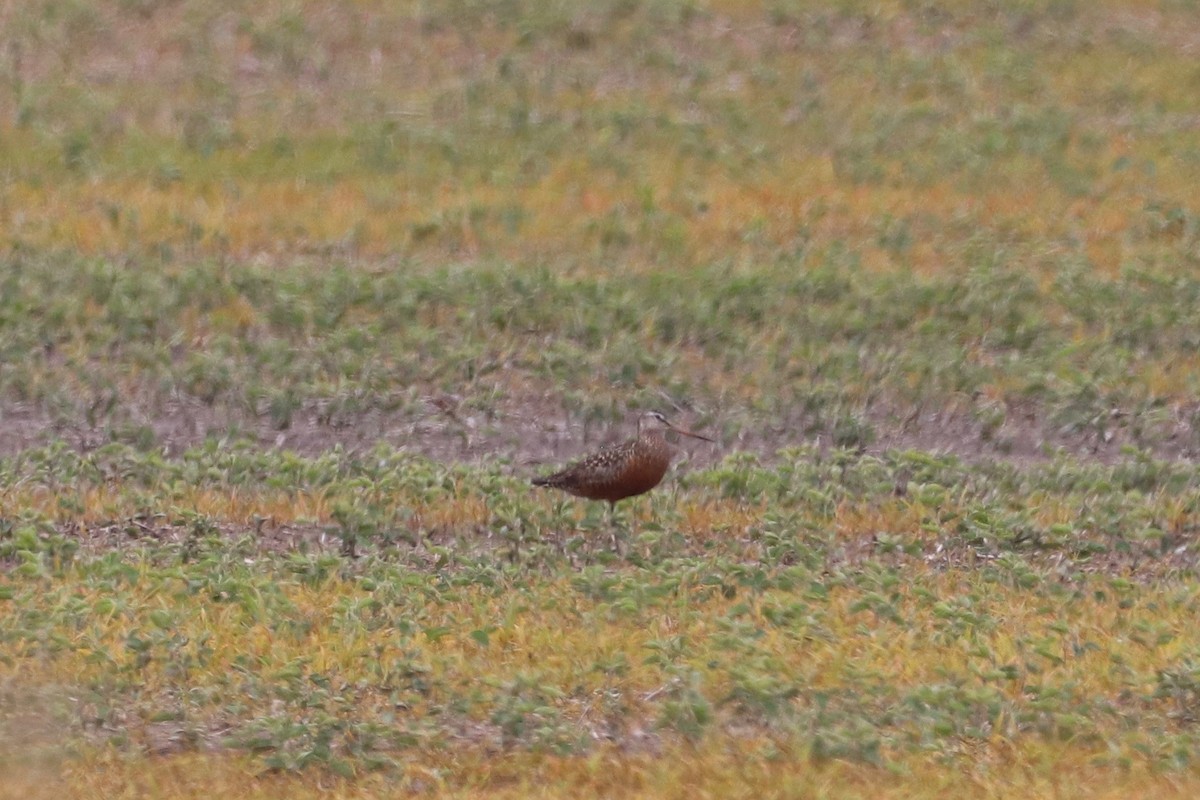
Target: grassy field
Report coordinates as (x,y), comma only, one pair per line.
(296,297)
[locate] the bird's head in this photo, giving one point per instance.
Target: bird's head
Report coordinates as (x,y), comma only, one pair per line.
(653,420)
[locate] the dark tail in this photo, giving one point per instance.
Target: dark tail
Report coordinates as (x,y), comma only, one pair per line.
(540,481)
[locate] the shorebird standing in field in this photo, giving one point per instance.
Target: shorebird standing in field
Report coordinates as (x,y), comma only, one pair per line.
(622,470)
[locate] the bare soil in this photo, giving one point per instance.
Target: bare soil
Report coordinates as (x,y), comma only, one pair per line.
(531,431)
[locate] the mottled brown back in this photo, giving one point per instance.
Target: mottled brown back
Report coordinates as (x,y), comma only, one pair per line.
(614,473)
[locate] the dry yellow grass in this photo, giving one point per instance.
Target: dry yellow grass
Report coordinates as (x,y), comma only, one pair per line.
(276,220)
(752,768)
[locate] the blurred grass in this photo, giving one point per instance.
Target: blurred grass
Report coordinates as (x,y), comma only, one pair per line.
(807,346)
(461,229)
(912,208)
(655,135)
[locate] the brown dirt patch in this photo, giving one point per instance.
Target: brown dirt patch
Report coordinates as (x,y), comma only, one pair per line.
(535,430)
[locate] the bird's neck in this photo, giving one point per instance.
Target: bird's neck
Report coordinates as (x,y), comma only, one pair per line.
(653,435)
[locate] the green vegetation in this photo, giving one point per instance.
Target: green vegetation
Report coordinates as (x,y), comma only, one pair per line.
(294,299)
(904,610)
(111,352)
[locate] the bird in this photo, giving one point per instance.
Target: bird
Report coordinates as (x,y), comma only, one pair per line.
(623,470)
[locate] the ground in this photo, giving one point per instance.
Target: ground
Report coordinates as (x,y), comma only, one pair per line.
(296,297)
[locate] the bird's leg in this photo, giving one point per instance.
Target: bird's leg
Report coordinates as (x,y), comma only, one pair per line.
(612,526)
(612,523)
(560,536)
